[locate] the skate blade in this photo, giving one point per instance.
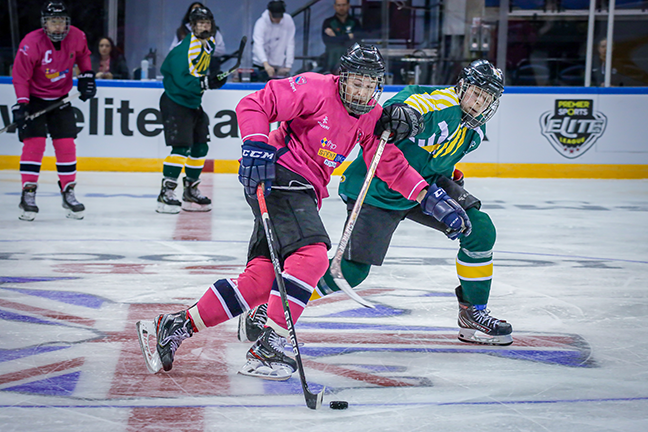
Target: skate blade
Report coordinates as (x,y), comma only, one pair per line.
(167,209)
(27,216)
(195,207)
(477,337)
(74,215)
(257,369)
(146,329)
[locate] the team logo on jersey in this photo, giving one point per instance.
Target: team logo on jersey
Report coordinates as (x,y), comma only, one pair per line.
(300,80)
(332,158)
(324,123)
(57,75)
(573,126)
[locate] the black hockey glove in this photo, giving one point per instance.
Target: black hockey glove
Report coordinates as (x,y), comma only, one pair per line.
(441,207)
(86,85)
(402,120)
(211,82)
(257,165)
(20,112)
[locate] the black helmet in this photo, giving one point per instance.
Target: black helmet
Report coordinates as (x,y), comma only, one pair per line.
(202,14)
(483,75)
(364,61)
(55,9)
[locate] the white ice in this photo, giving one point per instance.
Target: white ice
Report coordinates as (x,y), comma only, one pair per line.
(571,275)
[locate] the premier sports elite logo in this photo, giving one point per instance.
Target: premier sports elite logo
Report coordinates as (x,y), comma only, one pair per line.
(573,126)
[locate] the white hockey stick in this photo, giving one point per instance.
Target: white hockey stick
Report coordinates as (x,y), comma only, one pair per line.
(144,331)
(336,263)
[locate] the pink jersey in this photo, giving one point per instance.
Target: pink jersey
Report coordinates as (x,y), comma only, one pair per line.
(319,132)
(41,70)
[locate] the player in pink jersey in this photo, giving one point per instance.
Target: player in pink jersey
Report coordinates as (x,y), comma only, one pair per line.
(42,76)
(322,118)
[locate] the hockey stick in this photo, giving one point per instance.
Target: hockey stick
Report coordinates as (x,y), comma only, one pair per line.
(313,401)
(52,107)
(336,263)
(230,71)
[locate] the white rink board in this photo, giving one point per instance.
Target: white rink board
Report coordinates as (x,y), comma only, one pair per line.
(514,134)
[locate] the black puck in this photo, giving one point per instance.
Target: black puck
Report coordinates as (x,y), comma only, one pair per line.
(339,405)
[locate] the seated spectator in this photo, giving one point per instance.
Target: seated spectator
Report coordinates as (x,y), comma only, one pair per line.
(273,46)
(185,29)
(108,62)
(339,32)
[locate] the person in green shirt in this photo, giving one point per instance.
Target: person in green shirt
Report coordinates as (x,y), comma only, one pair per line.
(187,75)
(454,125)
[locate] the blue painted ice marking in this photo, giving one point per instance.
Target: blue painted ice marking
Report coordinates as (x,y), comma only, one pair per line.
(62,385)
(7,279)
(7,355)
(119,195)
(363,312)
(69,297)
(11,316)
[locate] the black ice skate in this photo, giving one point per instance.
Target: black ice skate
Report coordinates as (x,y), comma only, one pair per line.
(477,326)
(192,200)
(73,208)
(172,329)
(167,201)
(28,202)
(251,323)
(266,358)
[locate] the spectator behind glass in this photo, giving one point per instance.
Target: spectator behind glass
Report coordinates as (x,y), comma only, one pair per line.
(339,32)
(185,29)
(107,61)
(273,49)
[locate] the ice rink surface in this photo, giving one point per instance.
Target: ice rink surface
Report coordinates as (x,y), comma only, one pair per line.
(571,275)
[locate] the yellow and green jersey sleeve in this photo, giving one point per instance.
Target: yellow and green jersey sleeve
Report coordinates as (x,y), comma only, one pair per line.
(432,153)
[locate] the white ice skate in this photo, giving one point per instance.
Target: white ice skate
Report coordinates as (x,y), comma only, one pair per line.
(266,358)
(146,331)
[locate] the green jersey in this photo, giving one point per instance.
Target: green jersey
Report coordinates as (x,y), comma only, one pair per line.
(433,153)
(183,68)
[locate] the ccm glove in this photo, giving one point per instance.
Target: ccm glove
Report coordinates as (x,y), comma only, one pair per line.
(257,165)
(20,112)
(86,85)
(402,120)
(441,207)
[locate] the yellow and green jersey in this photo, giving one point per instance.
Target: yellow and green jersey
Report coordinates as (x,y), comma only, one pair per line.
(433,152)
(183,67)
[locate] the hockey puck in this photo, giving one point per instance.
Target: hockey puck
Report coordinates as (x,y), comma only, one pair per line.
(339,405)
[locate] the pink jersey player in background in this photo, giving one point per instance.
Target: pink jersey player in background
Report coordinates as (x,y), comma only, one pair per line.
(322,118)
(42,76)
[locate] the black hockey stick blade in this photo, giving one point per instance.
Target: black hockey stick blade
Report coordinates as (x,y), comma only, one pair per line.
(231,70)
(313,401)
(58,104)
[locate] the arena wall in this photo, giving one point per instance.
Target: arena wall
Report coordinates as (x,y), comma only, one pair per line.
(559,132)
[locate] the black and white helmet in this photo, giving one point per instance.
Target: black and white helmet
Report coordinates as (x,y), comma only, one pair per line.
(362,74)
(202,13)
(479,88)
(57,12)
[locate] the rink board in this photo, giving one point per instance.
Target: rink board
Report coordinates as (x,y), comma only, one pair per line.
(537,132)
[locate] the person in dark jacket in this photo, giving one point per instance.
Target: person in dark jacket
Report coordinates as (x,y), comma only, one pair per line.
(108,62)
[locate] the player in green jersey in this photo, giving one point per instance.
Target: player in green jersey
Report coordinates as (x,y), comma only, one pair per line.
(186,126)
(454,120)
